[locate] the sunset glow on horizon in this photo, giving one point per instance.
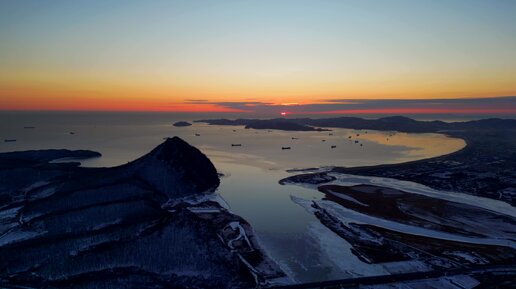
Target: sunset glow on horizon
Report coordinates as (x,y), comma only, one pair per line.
(198,56)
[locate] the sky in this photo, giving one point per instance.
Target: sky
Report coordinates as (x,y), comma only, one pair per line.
(300,56)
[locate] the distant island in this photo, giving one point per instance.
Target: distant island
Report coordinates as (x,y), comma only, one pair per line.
(151,222)
(392,123)
(277,123)
(182,123)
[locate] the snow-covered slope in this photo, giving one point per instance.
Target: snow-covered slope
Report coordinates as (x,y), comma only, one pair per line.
(133,226)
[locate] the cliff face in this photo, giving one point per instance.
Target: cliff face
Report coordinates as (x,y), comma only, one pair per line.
(63,226)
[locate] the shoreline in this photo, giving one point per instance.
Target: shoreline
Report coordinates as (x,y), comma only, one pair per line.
(414,161)
(383,213)
(483,167)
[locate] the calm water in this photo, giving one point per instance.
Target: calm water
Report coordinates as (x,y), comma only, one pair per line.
(289,234)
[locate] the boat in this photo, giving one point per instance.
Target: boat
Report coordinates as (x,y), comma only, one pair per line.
(9,140)
(285,148)
(197,134)
(295,138)
(236,144)
(29,127)
(333,147)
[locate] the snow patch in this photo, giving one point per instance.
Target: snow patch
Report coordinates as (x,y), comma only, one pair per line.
(347,198)
(347,217)
(339,252)
(411,187)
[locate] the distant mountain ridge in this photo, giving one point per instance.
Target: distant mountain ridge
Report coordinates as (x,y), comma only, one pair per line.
(391,123)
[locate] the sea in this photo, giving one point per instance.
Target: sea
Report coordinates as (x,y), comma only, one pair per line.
(290,235)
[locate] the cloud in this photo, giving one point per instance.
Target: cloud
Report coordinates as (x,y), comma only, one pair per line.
(195,100)
(492,105)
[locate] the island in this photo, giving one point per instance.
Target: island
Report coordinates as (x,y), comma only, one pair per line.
(276,123)
(155,222)
(182,124)
(391,123)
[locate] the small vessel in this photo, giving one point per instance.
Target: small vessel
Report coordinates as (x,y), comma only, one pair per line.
(9,140)
(234,130)
(236,144)
(29,127)
(333,147)
(285,148)
(358,134)
(330,134)
(197,134)
(361,145)
(295,138)
(323,140)
(72,132)
(349,136)
(356,141)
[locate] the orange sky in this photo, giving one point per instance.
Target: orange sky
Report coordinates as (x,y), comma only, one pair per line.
(132,97)
(157,56)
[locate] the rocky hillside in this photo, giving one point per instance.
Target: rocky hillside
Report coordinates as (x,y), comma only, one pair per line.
(152,223)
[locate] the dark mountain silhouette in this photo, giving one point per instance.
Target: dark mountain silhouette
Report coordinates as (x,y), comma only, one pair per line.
(391,123)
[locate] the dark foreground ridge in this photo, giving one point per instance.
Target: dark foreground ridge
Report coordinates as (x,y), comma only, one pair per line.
(152,223)
(392,123)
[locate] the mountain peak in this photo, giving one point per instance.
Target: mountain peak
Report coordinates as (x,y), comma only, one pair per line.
(177,169)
